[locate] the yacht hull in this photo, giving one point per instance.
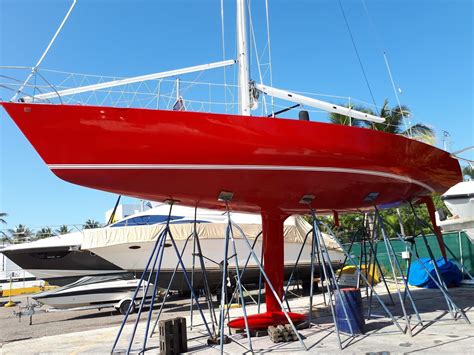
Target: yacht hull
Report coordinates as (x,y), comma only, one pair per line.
(133,257)
(60,265)
(95,294)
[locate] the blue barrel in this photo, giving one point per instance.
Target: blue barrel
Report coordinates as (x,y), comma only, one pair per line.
(352,301)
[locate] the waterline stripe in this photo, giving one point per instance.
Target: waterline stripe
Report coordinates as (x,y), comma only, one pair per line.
(236,167)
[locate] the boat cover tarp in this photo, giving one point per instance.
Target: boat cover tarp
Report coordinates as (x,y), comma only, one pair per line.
(295,230)
(450,273)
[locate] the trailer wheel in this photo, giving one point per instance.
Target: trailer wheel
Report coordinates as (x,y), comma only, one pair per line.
(123,308)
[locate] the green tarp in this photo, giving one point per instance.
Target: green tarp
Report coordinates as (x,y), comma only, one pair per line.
(457,242)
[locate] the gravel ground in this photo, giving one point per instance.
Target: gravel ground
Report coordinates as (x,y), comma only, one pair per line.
(63,322)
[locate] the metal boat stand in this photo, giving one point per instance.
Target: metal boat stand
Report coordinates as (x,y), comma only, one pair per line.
(397,270)
(295,268)
(197,251)
(155,260)
(454,310)
(373,260)
(333,287)
(236,291)
(355,264)
(230,238)
(458,261)
(369,236)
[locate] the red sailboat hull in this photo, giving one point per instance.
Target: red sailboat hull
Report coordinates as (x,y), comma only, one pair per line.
(268,164)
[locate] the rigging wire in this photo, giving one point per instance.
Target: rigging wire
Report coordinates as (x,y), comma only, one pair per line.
(223,51)
(264,102)
(269,53)
(357,54)
(406,120)
(33,70)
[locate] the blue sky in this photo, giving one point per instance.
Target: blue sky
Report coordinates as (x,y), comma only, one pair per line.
(429,44)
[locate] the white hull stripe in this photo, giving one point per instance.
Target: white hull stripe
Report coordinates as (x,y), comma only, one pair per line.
(236,167)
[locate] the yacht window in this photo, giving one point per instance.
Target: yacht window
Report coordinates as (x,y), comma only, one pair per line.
(144,220)
(50,254)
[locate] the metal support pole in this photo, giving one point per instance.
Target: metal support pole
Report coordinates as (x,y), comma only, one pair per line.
(461,254)
(191,306)
(223,292)
(321,266)
(207,289)
(445,293)
(395,265)
(353,262)
(260,283)
(296,264)
(156,255)
(155,288)
(374,251)
(160,235)
(267,280)
(311,288)
(231,234)
(142,304)
(330,280)
(435,266)
(180,261)
(169,286)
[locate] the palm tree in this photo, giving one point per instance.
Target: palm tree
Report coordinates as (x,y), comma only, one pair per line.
(90,224)
(468,172)
(44,233)
(2,217)
(64,229)
(4,238)
(21,233)
(338,118)
(394,122)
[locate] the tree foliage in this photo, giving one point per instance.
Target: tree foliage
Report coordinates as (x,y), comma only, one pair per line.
(2,217)
(352,223)
(45,232)
(91,224)
(64,229)
(21,233)
(394,122)
(468,172)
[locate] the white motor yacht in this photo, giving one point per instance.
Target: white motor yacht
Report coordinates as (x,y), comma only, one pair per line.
(459,200)
(95,292)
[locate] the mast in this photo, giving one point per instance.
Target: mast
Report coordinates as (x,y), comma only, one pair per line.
(242,58)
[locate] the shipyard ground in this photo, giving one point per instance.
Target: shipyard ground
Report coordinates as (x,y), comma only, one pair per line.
(93,331)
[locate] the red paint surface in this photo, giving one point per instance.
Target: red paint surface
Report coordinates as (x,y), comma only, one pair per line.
(263,320)
(72,134)
(439,235)
(273,241)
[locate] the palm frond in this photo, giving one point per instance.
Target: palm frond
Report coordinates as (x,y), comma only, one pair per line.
(341,119)
(2,219)
(468,172)
(422,133)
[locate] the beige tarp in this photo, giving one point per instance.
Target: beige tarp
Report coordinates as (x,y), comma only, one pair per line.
(102,237)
